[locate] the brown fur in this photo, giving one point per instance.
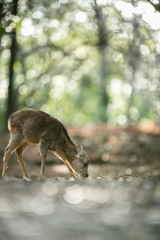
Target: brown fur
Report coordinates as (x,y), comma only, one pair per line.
(30,126)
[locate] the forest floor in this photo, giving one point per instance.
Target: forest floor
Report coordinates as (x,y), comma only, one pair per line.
(120,199)
(113,151)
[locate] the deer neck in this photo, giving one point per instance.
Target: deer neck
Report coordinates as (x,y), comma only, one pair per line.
(67,152)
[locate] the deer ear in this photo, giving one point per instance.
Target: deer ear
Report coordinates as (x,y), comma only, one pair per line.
(79,149)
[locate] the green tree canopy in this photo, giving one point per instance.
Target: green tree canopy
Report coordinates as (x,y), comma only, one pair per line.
(81,61)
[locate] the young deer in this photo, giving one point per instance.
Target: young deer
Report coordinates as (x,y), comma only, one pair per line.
(30,126)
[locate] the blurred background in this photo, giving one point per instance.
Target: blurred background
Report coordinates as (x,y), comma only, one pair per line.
(94,65)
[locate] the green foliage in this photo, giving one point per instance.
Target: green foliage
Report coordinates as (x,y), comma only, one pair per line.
(62,69)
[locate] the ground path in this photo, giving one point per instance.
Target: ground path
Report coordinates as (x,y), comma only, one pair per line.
(102,208)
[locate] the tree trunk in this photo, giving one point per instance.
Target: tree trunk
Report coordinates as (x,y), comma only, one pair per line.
(11,100)
(103,43)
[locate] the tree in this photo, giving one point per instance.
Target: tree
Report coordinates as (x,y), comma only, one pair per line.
(102,45)
(10,8)
(85,58)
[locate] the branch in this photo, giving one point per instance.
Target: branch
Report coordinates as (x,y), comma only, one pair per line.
(156,6)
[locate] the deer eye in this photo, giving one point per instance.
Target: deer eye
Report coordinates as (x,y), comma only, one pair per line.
(81,155)
(85,164)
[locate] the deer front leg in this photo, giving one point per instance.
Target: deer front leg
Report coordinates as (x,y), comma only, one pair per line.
(43,148)
(70,169)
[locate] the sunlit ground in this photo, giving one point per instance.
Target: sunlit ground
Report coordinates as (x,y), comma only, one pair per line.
(113,151)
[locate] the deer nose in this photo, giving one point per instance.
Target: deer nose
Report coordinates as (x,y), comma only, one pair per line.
(86,175)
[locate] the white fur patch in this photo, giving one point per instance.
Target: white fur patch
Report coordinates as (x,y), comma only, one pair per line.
(9,125)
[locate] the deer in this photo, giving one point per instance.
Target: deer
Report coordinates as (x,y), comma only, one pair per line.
(30,126)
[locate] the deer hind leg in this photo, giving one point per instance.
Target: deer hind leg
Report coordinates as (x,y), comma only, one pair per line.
(19,153)
(15,141)
(43,148)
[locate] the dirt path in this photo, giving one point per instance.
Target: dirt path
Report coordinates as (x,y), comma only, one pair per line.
(132,151)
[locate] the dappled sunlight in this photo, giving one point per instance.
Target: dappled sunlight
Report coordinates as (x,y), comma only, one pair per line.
(80,16)
(74,194)
(20,78)
(27,28)
(58,169)
(37,14)
(121,119)
(144,8)
(3,88)
(116,85)
(62,61)
(45,108)
(99,205)
(50,189)
(23,89)
(127,89)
